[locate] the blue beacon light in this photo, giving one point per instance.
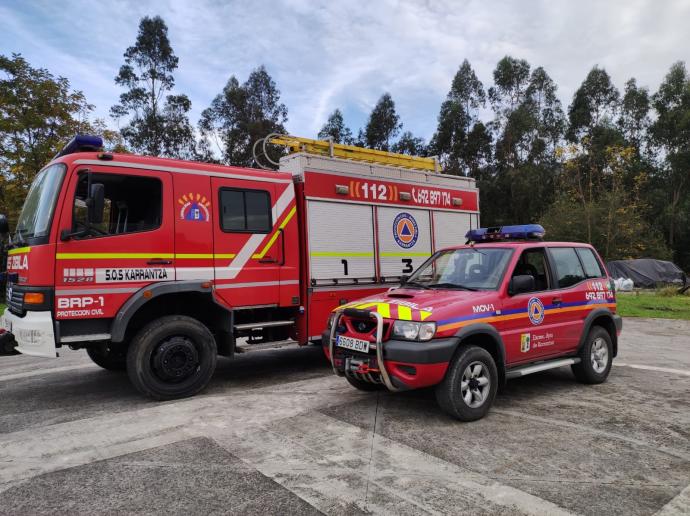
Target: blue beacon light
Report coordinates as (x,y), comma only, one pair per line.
(501,233)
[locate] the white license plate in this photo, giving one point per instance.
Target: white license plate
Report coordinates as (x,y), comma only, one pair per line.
(351,343)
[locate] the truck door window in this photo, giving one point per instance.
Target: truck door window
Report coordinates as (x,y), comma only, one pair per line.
(245,211)
(568,268)
(532,262)
(132,204)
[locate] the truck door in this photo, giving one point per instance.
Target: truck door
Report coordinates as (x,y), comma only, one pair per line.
(250,244)
(99,267)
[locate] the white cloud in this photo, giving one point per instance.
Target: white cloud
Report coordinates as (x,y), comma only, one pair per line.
(325,55)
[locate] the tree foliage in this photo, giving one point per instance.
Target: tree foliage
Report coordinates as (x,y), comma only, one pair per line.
(335,128)
(242,114)
(39,113)
(158,123)
(383,125)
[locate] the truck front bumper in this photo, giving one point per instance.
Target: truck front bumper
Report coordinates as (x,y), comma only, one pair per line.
(34,333)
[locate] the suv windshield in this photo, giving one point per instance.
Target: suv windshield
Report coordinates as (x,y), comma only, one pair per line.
(468,268)
(37,213)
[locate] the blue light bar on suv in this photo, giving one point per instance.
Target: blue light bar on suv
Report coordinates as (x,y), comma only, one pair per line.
(81,143)
(497,234)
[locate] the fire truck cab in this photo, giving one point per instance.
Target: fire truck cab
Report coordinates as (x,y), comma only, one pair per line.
(157,266)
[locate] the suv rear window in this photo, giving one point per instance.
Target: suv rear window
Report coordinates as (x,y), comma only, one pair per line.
(568,268)
(589,261)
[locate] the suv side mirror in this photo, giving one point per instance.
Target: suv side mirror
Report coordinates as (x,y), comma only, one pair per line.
(4,225)
(520,284)
(404,279)
(95,203)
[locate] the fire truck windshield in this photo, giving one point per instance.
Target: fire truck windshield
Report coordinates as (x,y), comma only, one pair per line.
(465,269)
(39,206)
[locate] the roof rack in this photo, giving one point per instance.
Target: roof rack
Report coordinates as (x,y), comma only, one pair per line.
(338,150)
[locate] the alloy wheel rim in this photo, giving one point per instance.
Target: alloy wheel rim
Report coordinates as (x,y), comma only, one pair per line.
(475,385)
(599,355)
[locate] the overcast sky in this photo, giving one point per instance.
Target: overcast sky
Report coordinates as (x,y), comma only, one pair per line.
(328,54)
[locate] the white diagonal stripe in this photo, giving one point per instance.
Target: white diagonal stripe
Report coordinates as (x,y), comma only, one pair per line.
(255,240)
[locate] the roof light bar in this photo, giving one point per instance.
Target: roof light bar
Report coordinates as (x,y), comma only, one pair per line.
(81,143)
(501,233)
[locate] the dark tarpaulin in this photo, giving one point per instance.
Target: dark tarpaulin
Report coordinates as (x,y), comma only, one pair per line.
(646,272)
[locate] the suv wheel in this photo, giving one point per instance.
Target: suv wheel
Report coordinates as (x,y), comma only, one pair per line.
(469,387)
(172,357)
(112,357)
(596,357)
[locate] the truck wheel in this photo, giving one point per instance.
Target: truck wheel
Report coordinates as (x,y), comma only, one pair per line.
(112,357)
(596,357)
(469,387)
(172,357)
(364,386)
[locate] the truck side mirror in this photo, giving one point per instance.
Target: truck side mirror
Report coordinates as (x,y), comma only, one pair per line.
(520,284)
(4,225)
(95,203)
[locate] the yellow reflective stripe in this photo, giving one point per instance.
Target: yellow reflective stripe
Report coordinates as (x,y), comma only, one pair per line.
(275,235)
(19,250)
(404,255)
(424,314)
(103,256)
(384,309)
(338,254)
(404,313)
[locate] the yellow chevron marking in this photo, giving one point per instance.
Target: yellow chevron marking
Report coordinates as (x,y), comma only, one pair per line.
(424,314)
(275,235)
(404,313)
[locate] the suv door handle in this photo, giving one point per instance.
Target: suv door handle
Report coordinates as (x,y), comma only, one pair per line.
(158,261)
(556,301)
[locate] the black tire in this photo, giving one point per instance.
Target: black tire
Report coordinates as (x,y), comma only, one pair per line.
(172,357)
(112,357)
(364,386)
(586,371)
(449,393)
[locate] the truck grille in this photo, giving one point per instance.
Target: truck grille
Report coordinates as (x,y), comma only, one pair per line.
(15,299)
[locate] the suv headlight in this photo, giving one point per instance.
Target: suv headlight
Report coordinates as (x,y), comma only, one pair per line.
(410,330)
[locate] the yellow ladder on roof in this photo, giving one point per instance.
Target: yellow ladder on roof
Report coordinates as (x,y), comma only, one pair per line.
(339,150)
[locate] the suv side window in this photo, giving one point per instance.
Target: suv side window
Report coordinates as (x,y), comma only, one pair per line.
(590,263)
(245,211)
(568,267)
(132,204)
(532,262)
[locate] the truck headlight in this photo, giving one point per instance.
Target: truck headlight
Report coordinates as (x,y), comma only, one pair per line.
(410,330)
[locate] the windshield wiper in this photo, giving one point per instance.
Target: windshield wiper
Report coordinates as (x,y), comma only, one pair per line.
(453,285)
(415,284)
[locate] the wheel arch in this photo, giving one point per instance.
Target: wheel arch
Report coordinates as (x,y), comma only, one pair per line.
(487,337)
(191,298)
(604,318)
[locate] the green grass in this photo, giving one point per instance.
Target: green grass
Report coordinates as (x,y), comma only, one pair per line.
(654,304)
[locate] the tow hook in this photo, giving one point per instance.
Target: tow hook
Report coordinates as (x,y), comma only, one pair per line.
(7,343)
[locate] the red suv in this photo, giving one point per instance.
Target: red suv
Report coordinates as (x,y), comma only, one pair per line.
(505,305)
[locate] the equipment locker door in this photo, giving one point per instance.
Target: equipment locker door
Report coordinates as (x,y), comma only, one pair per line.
(341,243)
(450,228)
(246,256)
(404,240)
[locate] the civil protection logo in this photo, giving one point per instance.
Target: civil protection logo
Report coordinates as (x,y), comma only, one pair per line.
(535,310)
(405,230)
(194,208)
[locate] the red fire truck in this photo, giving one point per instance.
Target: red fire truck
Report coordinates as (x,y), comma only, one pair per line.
(159,265)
